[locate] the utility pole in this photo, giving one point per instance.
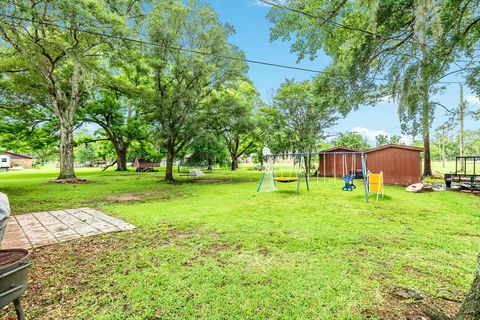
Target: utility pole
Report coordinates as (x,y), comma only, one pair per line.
(461,115)
(443,148)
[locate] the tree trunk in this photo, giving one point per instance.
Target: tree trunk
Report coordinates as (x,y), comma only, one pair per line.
(67,169)
(210,163)
(427,163)
(169,168)
(308,163)
(461,119)
(470,309)
(234,163)
(65,113)
(121,151)
(444,159)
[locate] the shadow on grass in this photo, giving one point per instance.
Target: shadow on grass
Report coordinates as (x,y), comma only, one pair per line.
(289,192)
(373,197)
(194,180)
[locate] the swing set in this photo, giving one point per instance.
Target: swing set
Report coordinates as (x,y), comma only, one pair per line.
(269,179)
(296,171)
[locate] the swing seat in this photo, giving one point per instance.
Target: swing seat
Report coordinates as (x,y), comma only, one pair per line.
(285,179)
(349,186)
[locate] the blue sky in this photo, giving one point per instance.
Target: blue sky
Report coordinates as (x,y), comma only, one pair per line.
(252,36)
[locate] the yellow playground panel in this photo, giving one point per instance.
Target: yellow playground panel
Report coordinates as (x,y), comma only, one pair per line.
(375,183)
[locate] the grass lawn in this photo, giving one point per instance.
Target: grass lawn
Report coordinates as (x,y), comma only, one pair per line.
(213,248)
(438,168)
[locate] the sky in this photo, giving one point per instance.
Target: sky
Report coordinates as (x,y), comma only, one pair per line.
(252,36)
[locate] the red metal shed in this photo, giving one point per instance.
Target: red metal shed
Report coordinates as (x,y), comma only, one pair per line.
(143,164)
(332,163)
(400,164)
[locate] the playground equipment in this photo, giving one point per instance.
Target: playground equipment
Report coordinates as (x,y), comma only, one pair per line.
(349,186)
(267,182)
(375,183)
(348,177)
(291,176)
(294,175)
(283,178)
(302,173)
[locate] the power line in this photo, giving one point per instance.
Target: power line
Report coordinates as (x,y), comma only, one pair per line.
(223,56)
(341,25)
(329,21)
(228,57)
(335,23)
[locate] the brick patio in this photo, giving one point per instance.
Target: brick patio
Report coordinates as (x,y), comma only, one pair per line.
(43,228)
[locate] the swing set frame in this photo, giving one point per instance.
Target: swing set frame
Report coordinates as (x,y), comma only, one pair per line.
(301,156)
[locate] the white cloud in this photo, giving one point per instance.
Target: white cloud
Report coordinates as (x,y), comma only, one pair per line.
(386,99)
(370,134)
(472,99)
(258,3)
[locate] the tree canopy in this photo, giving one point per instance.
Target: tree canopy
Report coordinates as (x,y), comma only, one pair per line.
(304,115)
(351,140)
(45,49)
(182,80)
(383,48)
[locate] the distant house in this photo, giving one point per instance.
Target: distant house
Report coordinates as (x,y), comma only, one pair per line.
(15,160)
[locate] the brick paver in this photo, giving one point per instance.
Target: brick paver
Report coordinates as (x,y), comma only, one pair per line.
(43,228)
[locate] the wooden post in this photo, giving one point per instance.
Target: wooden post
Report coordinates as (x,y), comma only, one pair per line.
(461,115)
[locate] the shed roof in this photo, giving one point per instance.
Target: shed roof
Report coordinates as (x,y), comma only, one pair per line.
(341,148)
(395,146)
(13,155)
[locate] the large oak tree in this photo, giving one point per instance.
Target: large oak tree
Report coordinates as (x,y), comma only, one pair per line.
(184,79)
(240,117)
(48,40)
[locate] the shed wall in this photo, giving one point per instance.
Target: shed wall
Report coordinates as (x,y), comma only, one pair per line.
(26,163)
(399,166)
(331,165)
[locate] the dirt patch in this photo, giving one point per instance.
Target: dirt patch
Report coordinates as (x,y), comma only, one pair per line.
(125,198)
(410,304)
(414,271)
(211,251)
(71,180)
(8,257)
(264,251)
(214,180)
(142,196)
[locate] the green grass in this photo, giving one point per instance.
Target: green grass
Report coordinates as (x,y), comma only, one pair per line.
(437,167)
(213,248)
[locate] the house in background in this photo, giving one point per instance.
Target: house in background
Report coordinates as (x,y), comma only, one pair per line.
(12,160)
